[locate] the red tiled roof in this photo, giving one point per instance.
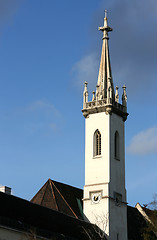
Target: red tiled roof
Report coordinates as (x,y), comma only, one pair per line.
(60,197)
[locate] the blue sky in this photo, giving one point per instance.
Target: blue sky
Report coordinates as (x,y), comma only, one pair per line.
(47,50)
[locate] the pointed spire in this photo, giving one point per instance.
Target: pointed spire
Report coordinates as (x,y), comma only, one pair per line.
(93,97)
(105,98)
(124,97)
(97,92)
(117,95)
(105,74)
(85,94)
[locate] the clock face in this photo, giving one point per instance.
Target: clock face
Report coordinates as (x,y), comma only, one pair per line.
(96,197)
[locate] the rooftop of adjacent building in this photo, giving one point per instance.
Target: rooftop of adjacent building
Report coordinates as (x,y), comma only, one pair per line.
(60,197)
(22,215)
(57,209)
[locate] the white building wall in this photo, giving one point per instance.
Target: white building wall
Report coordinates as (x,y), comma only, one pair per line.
(96,168)
(117,168)
(118,221)
(118,213)
(7,233)
(105,174)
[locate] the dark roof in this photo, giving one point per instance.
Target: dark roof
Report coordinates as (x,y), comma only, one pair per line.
(151,213)
(49,210)
(60,197)
(136,224)
(20,214)
(67,199)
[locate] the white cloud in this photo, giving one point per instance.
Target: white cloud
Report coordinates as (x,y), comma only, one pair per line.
(53,127)
(86,69)
(41,105)
(8,9)
(144,142)
(42,117)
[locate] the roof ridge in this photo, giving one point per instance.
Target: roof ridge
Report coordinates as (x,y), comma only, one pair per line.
(53,193)
(44,192)
(64,199)
(39,191)
(65,184)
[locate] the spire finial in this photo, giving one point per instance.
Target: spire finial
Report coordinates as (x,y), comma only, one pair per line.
(85,95)
(117,95)
(105,74)
(105,13)
(105,28)
(124,96)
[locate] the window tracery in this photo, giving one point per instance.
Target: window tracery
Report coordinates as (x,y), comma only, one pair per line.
(97,143)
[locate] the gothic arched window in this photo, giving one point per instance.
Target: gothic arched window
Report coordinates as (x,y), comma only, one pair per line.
(116,145)
(97,143)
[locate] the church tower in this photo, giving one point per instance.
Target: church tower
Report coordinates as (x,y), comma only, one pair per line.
(104,191)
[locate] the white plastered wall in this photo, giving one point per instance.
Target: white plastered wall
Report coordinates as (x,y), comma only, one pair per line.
(106,174)
(118,214)
(117,168)
(12,234)
(97,168)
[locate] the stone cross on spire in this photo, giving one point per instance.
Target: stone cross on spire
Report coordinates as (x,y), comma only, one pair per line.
(105,13)
(105,75)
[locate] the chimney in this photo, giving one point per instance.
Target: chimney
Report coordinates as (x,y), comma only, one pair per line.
(5,189)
